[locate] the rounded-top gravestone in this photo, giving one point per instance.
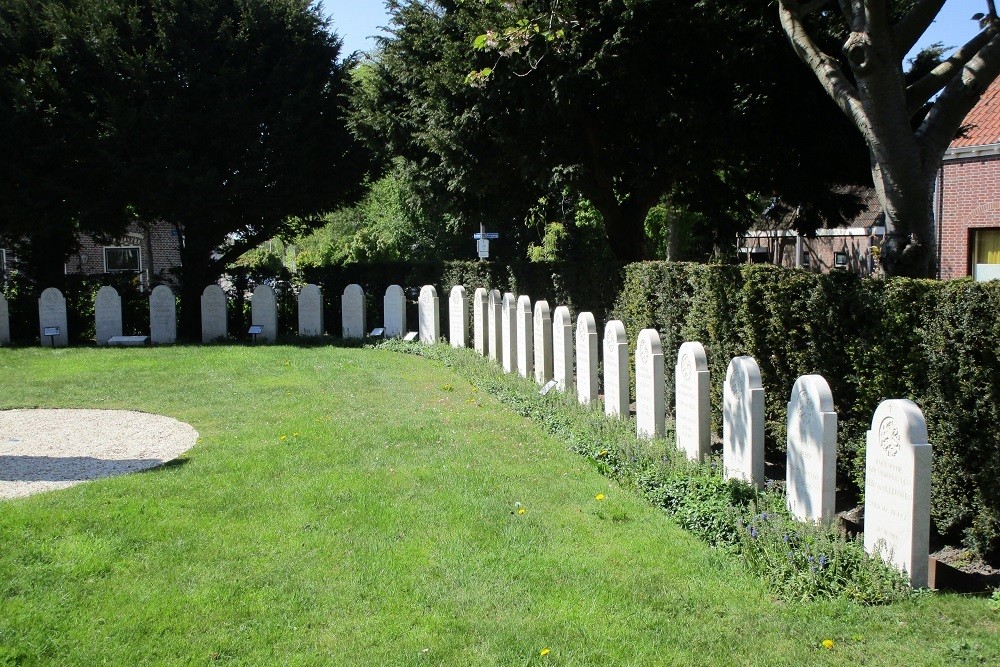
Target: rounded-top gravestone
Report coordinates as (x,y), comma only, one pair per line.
(162,316)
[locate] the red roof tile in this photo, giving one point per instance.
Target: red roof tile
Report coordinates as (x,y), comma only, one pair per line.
(982,125)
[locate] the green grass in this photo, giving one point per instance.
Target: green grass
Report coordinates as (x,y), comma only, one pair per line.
(383,531)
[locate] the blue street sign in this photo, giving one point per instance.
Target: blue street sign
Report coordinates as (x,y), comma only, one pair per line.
(486,235)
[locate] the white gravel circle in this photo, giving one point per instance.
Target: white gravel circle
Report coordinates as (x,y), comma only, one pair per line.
(45,449)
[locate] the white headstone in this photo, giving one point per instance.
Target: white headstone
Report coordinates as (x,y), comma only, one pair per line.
(428,315)
(562,348)
(691,401)
(508,332)
(310,307)
(4,321)
(898,488)
(107,314)
(264,312)
(649,385)
(52,313)
(394,311)
(458,317)
(811,468)
(493,325)
(587,353)
(352,312)
(616,396)
(162,316)
(214,321)
(525,337)
(743,422)
(542,320)
(480,302)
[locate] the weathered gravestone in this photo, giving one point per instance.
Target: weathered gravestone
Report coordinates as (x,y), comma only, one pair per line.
(587,351)
(352,312)
(494,322)
(310,307)
(107,314)
(4,321)
(616,396)
(162,316)
(649,379)
(264,312)
(525,336)
(428,315)
(214,321)
(394,311)
(811,466)
(52,313)
(562,348)
(542,321)
(458,317)
(691,401)
(743,422)
(480,337)
(898,488)
(508,333)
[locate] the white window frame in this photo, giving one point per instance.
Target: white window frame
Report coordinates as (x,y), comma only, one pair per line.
(837,255)
(138,251)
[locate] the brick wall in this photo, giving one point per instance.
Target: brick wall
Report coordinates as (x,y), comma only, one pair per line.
(89,259)
(968,199)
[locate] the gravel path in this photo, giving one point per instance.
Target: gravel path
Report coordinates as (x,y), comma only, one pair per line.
(42,450)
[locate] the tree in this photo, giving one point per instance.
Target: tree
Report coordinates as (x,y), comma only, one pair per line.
(906,140)
(585,96)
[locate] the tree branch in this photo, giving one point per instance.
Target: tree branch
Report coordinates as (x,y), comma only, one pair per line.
(909,28)
(921,90)
(959,96)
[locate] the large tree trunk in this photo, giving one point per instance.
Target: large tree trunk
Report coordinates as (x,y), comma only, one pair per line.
(910,246)
(624,225)
(197,272)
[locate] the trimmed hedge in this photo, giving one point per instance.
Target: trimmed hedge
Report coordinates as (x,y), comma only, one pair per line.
(936,343)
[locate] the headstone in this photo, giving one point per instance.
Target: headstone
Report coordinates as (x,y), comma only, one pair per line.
(394,311)
(4,321)
(649,385)
(428,315)
(310,311)
(898,488)
(542,320)
(811,467)
(494,324)
(525,337)
(52,313)
(691,401)
(743,422)
(107,314)
(586,359)
(162,316)
(562,348)
(508,333)
(480,302)
(214,321)
(458,317)
(352,312)
(264,312)
(616,396)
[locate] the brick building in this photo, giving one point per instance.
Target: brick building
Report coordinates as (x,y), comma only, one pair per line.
(967,203)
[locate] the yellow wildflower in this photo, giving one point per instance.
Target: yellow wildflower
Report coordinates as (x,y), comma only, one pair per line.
(545,651)
(284,437)
(521,510)
(827,643)
(599,496)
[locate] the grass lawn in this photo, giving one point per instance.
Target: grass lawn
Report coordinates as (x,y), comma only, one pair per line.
(359,507)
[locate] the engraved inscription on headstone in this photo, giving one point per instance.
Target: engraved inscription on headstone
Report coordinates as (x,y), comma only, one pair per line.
(107,314)
(562,348)
(429,315)
(587,351)
(214,320)
(525,336)
(649,385)
(542,321)
(52,313)
(458,317)
(743,422)
(494,323)
(898,488)
(310,311)
(480,302)
(811,469)
(691,401)
(162,316)
(616,395)
(353,320)
(264,311)
(508,332)
(394,311)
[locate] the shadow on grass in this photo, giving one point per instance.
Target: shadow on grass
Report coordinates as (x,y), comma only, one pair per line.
(15,468)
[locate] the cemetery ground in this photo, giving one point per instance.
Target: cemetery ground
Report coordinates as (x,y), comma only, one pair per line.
(356,506)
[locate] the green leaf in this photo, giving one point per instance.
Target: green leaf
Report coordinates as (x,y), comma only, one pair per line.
(479,43)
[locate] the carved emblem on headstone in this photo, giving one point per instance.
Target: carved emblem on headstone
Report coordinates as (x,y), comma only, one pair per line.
(687,367)
(736,382)
(888,436)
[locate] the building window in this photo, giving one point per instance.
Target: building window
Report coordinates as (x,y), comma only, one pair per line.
(986,254)
(805,258)
(121,259)
(840,260)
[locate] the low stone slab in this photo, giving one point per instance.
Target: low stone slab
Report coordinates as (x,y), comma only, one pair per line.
(129,341)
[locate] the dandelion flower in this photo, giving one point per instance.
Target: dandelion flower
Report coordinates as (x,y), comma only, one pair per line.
(599,496)
(284,437)
(828,643)
(521,510)
(545,651)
